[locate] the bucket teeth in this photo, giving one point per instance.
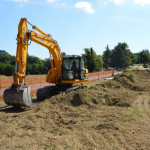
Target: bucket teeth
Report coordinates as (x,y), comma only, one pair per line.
(18,96)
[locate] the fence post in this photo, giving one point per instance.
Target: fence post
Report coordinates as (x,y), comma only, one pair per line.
(113,72)
(31,84)
(40,81)
(0,83)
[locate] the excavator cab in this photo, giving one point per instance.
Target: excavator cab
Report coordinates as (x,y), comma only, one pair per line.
(73,68)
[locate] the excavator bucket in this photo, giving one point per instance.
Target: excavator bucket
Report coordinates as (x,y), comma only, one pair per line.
(18,97)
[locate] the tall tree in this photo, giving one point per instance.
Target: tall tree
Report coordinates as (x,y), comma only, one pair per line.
(5,57)
(33,59)
(99,63)
(47,63)
(63,53)
(107,57)
(134,58)
(144,56)
(92,61)
(121,56)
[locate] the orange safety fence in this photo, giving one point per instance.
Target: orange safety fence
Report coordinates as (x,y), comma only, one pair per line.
(5,81)
(100,75)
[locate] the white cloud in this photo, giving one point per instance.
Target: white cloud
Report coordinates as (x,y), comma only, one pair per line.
(117,2)
(86,6)
(137,2)
(19,0)
(57,2)
(142,2)
(51,1)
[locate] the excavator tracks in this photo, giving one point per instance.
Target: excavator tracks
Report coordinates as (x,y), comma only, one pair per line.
(48,91)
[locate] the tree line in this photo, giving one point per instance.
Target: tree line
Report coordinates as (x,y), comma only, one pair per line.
(120,57)
(35,65)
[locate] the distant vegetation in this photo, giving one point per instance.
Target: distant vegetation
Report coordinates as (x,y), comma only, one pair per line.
(119,58)
(93,62)
(122,57)
(35,65)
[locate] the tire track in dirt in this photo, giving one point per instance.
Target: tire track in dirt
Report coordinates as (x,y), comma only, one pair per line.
(143,105)
(115,140)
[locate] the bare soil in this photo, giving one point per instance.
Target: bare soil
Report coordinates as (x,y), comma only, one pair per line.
(112,114)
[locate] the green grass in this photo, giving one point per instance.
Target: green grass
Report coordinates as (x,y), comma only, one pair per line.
(2,104)
(133,111)
(96,82)
(131,77)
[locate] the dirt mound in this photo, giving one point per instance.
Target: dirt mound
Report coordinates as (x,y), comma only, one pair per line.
(91,96)
(84,119)
(134,80)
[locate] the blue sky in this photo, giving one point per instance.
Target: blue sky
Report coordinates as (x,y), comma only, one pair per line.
(77,24)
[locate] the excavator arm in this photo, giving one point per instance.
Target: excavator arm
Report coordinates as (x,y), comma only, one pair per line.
(24,35)
(21,54)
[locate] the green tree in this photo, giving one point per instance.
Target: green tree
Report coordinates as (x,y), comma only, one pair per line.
(47,63)
(2,67)
(99,63)
(121,56)
(6,69)
(29,69)
(5,57)
(9,69)
(144,56)
(41,68)
(35,69)
(107,57)
(33,60)
(34,64)
(6,63)
(134,58)
(63,53)
(12,60)
(92,61)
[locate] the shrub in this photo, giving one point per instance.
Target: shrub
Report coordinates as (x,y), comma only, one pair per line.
(131,77)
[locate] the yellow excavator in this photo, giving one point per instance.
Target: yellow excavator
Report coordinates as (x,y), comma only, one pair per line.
(65,71)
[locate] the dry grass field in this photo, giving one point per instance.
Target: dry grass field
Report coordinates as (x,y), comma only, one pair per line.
(108,114)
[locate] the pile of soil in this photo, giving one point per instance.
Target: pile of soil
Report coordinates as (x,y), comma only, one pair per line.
(113,114)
